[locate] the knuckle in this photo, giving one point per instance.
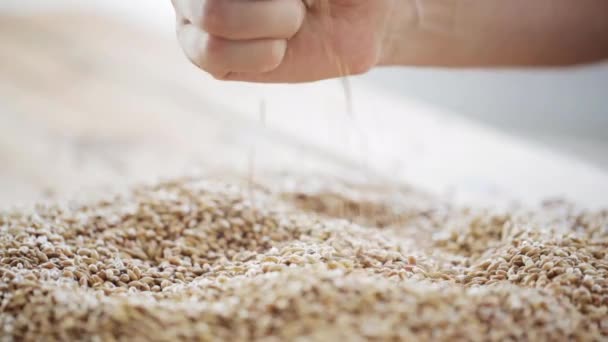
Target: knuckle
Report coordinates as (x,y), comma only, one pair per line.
(293,28)
(212,18)
(276,52)
(214,49)
(212,56)
(295,25)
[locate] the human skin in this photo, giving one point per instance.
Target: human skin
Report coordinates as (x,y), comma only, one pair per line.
(308,40)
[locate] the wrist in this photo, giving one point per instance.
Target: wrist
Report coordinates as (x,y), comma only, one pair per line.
(399,22)
(421,32)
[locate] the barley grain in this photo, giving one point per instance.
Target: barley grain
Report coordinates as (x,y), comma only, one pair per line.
(193,259)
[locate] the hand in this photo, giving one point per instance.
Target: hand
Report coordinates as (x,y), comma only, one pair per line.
(283,40)
(308,40)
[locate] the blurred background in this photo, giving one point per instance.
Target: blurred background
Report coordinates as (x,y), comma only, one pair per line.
(97,95)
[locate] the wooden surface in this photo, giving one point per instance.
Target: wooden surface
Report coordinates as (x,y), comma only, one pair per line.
(88,103)
(103,106)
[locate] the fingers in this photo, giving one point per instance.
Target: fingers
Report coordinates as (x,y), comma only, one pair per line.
(244,19)
(221,57)
(227,37)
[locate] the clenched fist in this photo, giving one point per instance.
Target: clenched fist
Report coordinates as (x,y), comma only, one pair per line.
(282,40)
(308,40)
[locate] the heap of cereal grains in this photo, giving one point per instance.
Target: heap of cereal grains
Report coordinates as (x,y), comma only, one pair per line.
(196,259)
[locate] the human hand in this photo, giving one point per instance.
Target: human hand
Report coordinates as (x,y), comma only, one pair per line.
(283,40)
(308,40)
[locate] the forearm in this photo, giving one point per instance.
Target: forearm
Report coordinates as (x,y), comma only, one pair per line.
(496,32)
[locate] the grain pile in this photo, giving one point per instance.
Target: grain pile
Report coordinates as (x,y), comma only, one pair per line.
(205,260)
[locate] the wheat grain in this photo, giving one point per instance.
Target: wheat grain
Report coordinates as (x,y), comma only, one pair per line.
(194,259)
